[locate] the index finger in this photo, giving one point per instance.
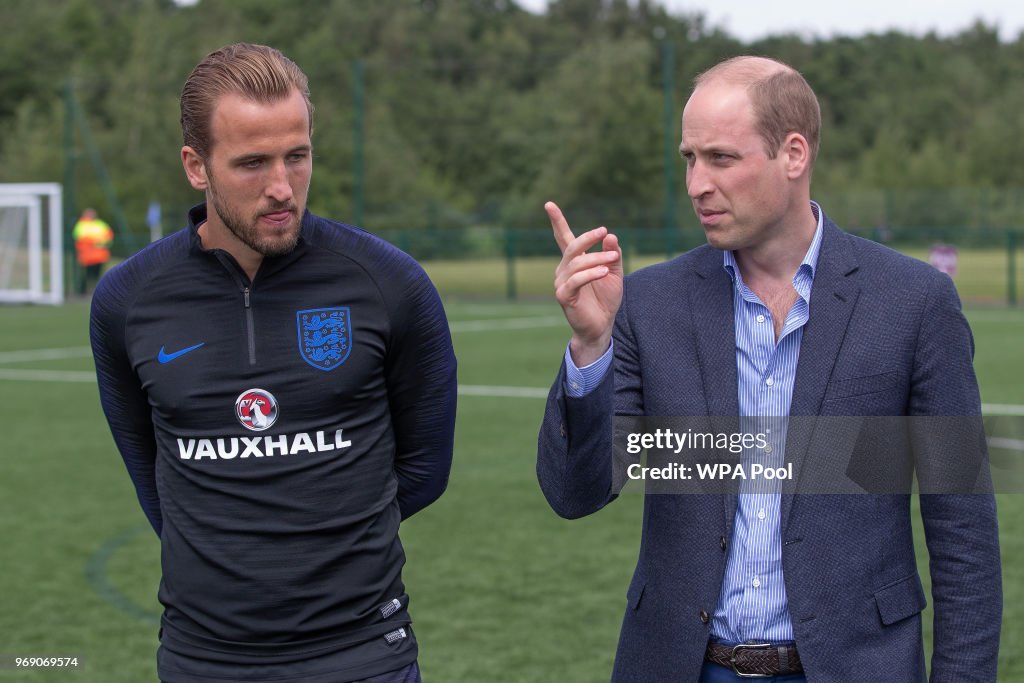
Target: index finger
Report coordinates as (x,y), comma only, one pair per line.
(559,226)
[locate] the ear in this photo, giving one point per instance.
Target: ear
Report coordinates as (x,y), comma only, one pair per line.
(195,168)
(797,155)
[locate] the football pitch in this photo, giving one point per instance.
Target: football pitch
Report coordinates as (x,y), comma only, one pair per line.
(501,589)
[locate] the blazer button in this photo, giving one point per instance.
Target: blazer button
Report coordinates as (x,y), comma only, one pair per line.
(704,618)
(561,429)
(722,543)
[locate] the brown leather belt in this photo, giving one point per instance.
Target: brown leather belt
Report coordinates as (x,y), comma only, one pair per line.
(756,660)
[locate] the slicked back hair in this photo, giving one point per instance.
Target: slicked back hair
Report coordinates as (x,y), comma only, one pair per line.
(783,101)
(256,72)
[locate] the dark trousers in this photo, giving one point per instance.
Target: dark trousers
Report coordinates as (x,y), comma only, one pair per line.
(713,673)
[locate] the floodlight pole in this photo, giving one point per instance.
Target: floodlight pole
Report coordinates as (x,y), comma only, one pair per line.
(671,149)
(69,188)
(1011,267)
(357,142)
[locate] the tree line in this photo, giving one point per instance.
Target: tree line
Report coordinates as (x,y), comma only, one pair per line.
(469,113)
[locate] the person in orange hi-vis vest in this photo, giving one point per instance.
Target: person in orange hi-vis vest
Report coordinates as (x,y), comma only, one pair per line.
(92,244)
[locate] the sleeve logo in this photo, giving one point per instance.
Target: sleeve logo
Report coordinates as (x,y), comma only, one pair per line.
(325,336)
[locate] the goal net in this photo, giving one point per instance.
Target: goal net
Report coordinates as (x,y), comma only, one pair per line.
(31,243)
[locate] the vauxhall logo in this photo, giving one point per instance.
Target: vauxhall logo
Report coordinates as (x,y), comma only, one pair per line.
(257,411)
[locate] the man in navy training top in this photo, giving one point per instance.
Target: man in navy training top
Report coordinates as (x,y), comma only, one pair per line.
(282,390)
(781,314)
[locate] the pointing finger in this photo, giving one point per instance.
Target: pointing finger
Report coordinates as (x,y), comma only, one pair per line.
(559,226)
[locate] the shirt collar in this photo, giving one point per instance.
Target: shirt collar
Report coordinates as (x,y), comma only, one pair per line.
(804,273)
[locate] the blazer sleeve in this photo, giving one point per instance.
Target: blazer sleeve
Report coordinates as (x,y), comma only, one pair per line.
(961,529)
(575,463)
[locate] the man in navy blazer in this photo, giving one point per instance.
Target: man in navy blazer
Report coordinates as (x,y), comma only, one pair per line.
(781,313)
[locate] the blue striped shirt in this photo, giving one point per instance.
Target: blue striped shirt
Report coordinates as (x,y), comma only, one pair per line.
(752,604)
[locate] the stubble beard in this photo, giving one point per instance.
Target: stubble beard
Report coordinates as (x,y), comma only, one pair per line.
(282,241)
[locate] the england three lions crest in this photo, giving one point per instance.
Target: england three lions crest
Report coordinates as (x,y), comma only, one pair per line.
(325,336)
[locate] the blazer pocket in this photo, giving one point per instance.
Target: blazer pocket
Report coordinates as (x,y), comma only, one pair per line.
(858,386)
(636,589)
(901,599)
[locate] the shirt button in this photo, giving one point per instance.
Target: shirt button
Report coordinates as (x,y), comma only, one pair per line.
(760,318)
(769,381)
(704,617)
(756,582)
(576,386)
(768,448)
(760,514)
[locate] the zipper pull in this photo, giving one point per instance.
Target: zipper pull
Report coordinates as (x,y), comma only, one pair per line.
(246,293)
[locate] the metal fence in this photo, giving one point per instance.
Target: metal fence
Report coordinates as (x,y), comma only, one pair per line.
(474,256)
(491,262)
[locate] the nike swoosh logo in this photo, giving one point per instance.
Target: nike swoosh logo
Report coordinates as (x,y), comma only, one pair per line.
(165,357)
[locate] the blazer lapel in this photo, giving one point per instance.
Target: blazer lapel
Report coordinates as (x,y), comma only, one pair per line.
(833,297)
(711,301)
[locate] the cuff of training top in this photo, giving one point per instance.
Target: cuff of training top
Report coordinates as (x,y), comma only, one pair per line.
(581,381)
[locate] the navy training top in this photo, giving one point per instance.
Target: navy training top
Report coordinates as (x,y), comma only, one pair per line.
(277,431)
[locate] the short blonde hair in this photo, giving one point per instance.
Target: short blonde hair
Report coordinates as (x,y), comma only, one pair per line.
(256,72)
(783,100)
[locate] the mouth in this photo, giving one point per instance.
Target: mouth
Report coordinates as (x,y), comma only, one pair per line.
(277,217)
(710,216)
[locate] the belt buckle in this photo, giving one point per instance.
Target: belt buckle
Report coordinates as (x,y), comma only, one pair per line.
(748,646)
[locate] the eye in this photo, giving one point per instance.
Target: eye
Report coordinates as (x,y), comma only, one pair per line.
(252,163)
(297,157)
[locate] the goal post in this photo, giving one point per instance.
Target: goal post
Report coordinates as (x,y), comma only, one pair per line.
(31,243)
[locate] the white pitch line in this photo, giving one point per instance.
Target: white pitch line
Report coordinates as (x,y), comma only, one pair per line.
(1008,444)
(1001,409)
(502,392)
(496,324)
(47,375)
(45,354)
(84,376)
(465,389)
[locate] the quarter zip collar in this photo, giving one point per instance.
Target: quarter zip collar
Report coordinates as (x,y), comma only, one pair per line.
(268,267)
(197,216)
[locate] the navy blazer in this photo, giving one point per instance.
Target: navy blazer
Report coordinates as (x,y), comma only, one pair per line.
(885,337)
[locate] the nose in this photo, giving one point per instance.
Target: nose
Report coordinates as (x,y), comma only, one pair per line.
(278,186)
(698,180)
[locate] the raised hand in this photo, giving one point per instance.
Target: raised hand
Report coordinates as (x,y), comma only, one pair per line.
(588,286)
